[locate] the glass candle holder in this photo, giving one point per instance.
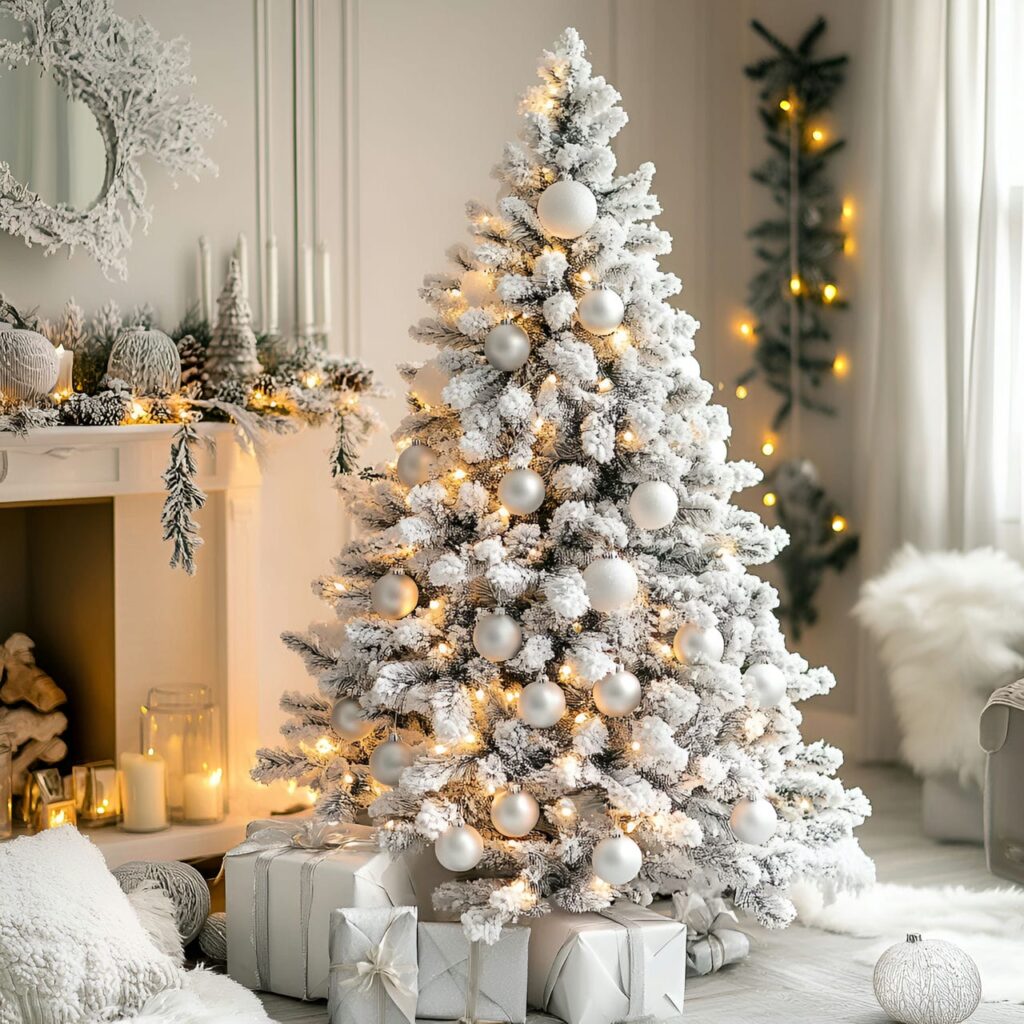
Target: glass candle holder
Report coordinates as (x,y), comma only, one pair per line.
(164,720)
(54,813)
(6,795)
(97,793)
(204,782)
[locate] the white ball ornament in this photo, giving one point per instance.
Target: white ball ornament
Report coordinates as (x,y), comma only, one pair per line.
(693,643)
(416,465)
(390,759)
(567,209)
(347,720)
(617,694)
(514,813)
(767,682)
(521,491)
(497,637)
(689,366)
(753,821)
(541,704)
(146,360)
(460,848)
(394,596)
(617,860)
(507,347)
(927,981)
(611,584)
(653,505)
(601,311)
(429,383)
(29,364)
(718,450)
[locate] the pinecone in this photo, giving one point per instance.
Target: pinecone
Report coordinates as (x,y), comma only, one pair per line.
(351,375)
(160,411)
(232,391)
(107,409)
(193,358)
(267,383)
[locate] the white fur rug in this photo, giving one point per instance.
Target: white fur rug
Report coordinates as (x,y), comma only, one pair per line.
(204,998)
(987,924)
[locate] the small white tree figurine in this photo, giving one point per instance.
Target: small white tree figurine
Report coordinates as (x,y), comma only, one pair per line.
(555,667)
(232,351)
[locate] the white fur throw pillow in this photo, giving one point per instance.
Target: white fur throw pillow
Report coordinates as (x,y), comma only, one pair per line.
(71,948)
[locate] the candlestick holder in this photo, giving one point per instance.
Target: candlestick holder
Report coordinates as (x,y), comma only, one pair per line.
(164,721)
(97,793)
(204,782)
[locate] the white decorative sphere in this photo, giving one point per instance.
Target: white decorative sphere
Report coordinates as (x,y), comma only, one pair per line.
(718,450)
(348,721)
(689,366)
(146,360)
(416,465)
(601,311)
(389,759)
(477,287)
(567,209)
(394,595)
(617,860)
(29,364)
(611,584)
(541,704)
(497,636)
(693,643)
(459,848)
(753,821)
(507,347)
(514,813)
(428,383)
(927,981)
(767,682)
(618,693)
(653,505)
(521,491)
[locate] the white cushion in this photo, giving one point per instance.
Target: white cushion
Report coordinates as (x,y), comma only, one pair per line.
(71,947)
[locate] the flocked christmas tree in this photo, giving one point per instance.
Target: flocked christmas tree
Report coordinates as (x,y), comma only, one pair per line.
(232,350)
(553,665)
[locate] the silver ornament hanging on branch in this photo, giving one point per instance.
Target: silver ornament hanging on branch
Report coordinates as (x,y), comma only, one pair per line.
(507,347)
(611,584)
(521,491)
(541,704)
(514,813)
(618,694)
(459,848)
(617,860)
(394,596)
(416,465)
(695,644)
(601,311)
(497,637)
(567,209)
(753,821)
(653,505)
(389,759)
(347,720)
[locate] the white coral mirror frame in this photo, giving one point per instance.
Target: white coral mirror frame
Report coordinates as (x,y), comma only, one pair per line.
(133,82)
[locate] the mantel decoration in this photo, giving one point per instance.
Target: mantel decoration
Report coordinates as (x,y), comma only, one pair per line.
(790,300)
(132,81)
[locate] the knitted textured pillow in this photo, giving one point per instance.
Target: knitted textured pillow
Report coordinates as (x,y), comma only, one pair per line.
(71,948)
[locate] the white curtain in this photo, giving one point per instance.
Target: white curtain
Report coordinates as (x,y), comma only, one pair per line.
(942,416)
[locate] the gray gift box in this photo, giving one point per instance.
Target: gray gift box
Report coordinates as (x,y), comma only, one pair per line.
(1002,738)
(449,964)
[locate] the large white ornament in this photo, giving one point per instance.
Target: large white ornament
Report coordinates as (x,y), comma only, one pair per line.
(567,209)
(497,636)
(653,505)
(477,287)
(394,596)
(927,981)
(416,465)
(618,693)
(507,347)
(693,643)
(753,821)
(617,860)
(514,813)
(146,360)
(347,719)
(541,704)
(521,491)
(29,364)
(601,311)
(767,682)
(390,759)
(718,450)
(689,366)
(611,584)
(459,848)
(429,382)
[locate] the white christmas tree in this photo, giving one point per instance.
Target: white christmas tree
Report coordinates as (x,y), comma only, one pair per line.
(554,666)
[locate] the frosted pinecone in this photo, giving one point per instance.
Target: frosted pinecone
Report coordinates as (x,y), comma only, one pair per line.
(232,391)
(107,409)
(193,358)
(351,375)
(267,383)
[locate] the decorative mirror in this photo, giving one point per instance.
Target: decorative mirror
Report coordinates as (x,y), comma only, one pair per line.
(84,95)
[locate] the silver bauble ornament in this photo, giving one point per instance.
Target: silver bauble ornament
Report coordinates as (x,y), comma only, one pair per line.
(29,364)
(600,311)
(611,584)
(693,643)
(514,813)
(146,360)
(927,981)
(767,682)
(753,821)
(497,636)
(507,347)
(617,860)
(618,693)
(428,383)
(394,595)
(416,465)
(541,704)
(477,287)
(521,491)
(653,505)
(567,209)
(459,848)
(347,719)
(389,759)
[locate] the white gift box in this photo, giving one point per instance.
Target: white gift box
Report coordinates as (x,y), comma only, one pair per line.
(280,897)
(623,963)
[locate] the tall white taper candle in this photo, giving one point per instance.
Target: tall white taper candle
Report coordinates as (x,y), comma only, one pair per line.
(270,324)
(323,311)
(205,280)
(307,313)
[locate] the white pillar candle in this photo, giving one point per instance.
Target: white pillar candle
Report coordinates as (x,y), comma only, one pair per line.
(205,280)
(143,793)
(270,306)
(242,255)
(307,313)
(64,371)
(204,796)
(323,312)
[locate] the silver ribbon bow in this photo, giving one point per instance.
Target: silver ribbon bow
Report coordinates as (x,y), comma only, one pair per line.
(635,945)
(712,941)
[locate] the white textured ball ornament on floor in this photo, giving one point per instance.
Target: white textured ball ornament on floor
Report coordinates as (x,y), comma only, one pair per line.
(347,719)
(693,643)
(541,704)
(653,505)
(617,860)
(618,693)
(521,491)
(428,383)
(507,347)
(611,584)
(390,759)
(753,821)
(927,981)
(477,287)
(459,848)
(416,465)
(497,637)
(601,311)
(394,596)
(567,209)
(514,813)
(767,682)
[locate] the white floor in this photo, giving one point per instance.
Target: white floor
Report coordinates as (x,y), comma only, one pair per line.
(800,976)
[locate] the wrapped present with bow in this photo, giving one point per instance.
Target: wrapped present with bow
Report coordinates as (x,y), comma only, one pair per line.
(712,938)
(373,966)
(281,885)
